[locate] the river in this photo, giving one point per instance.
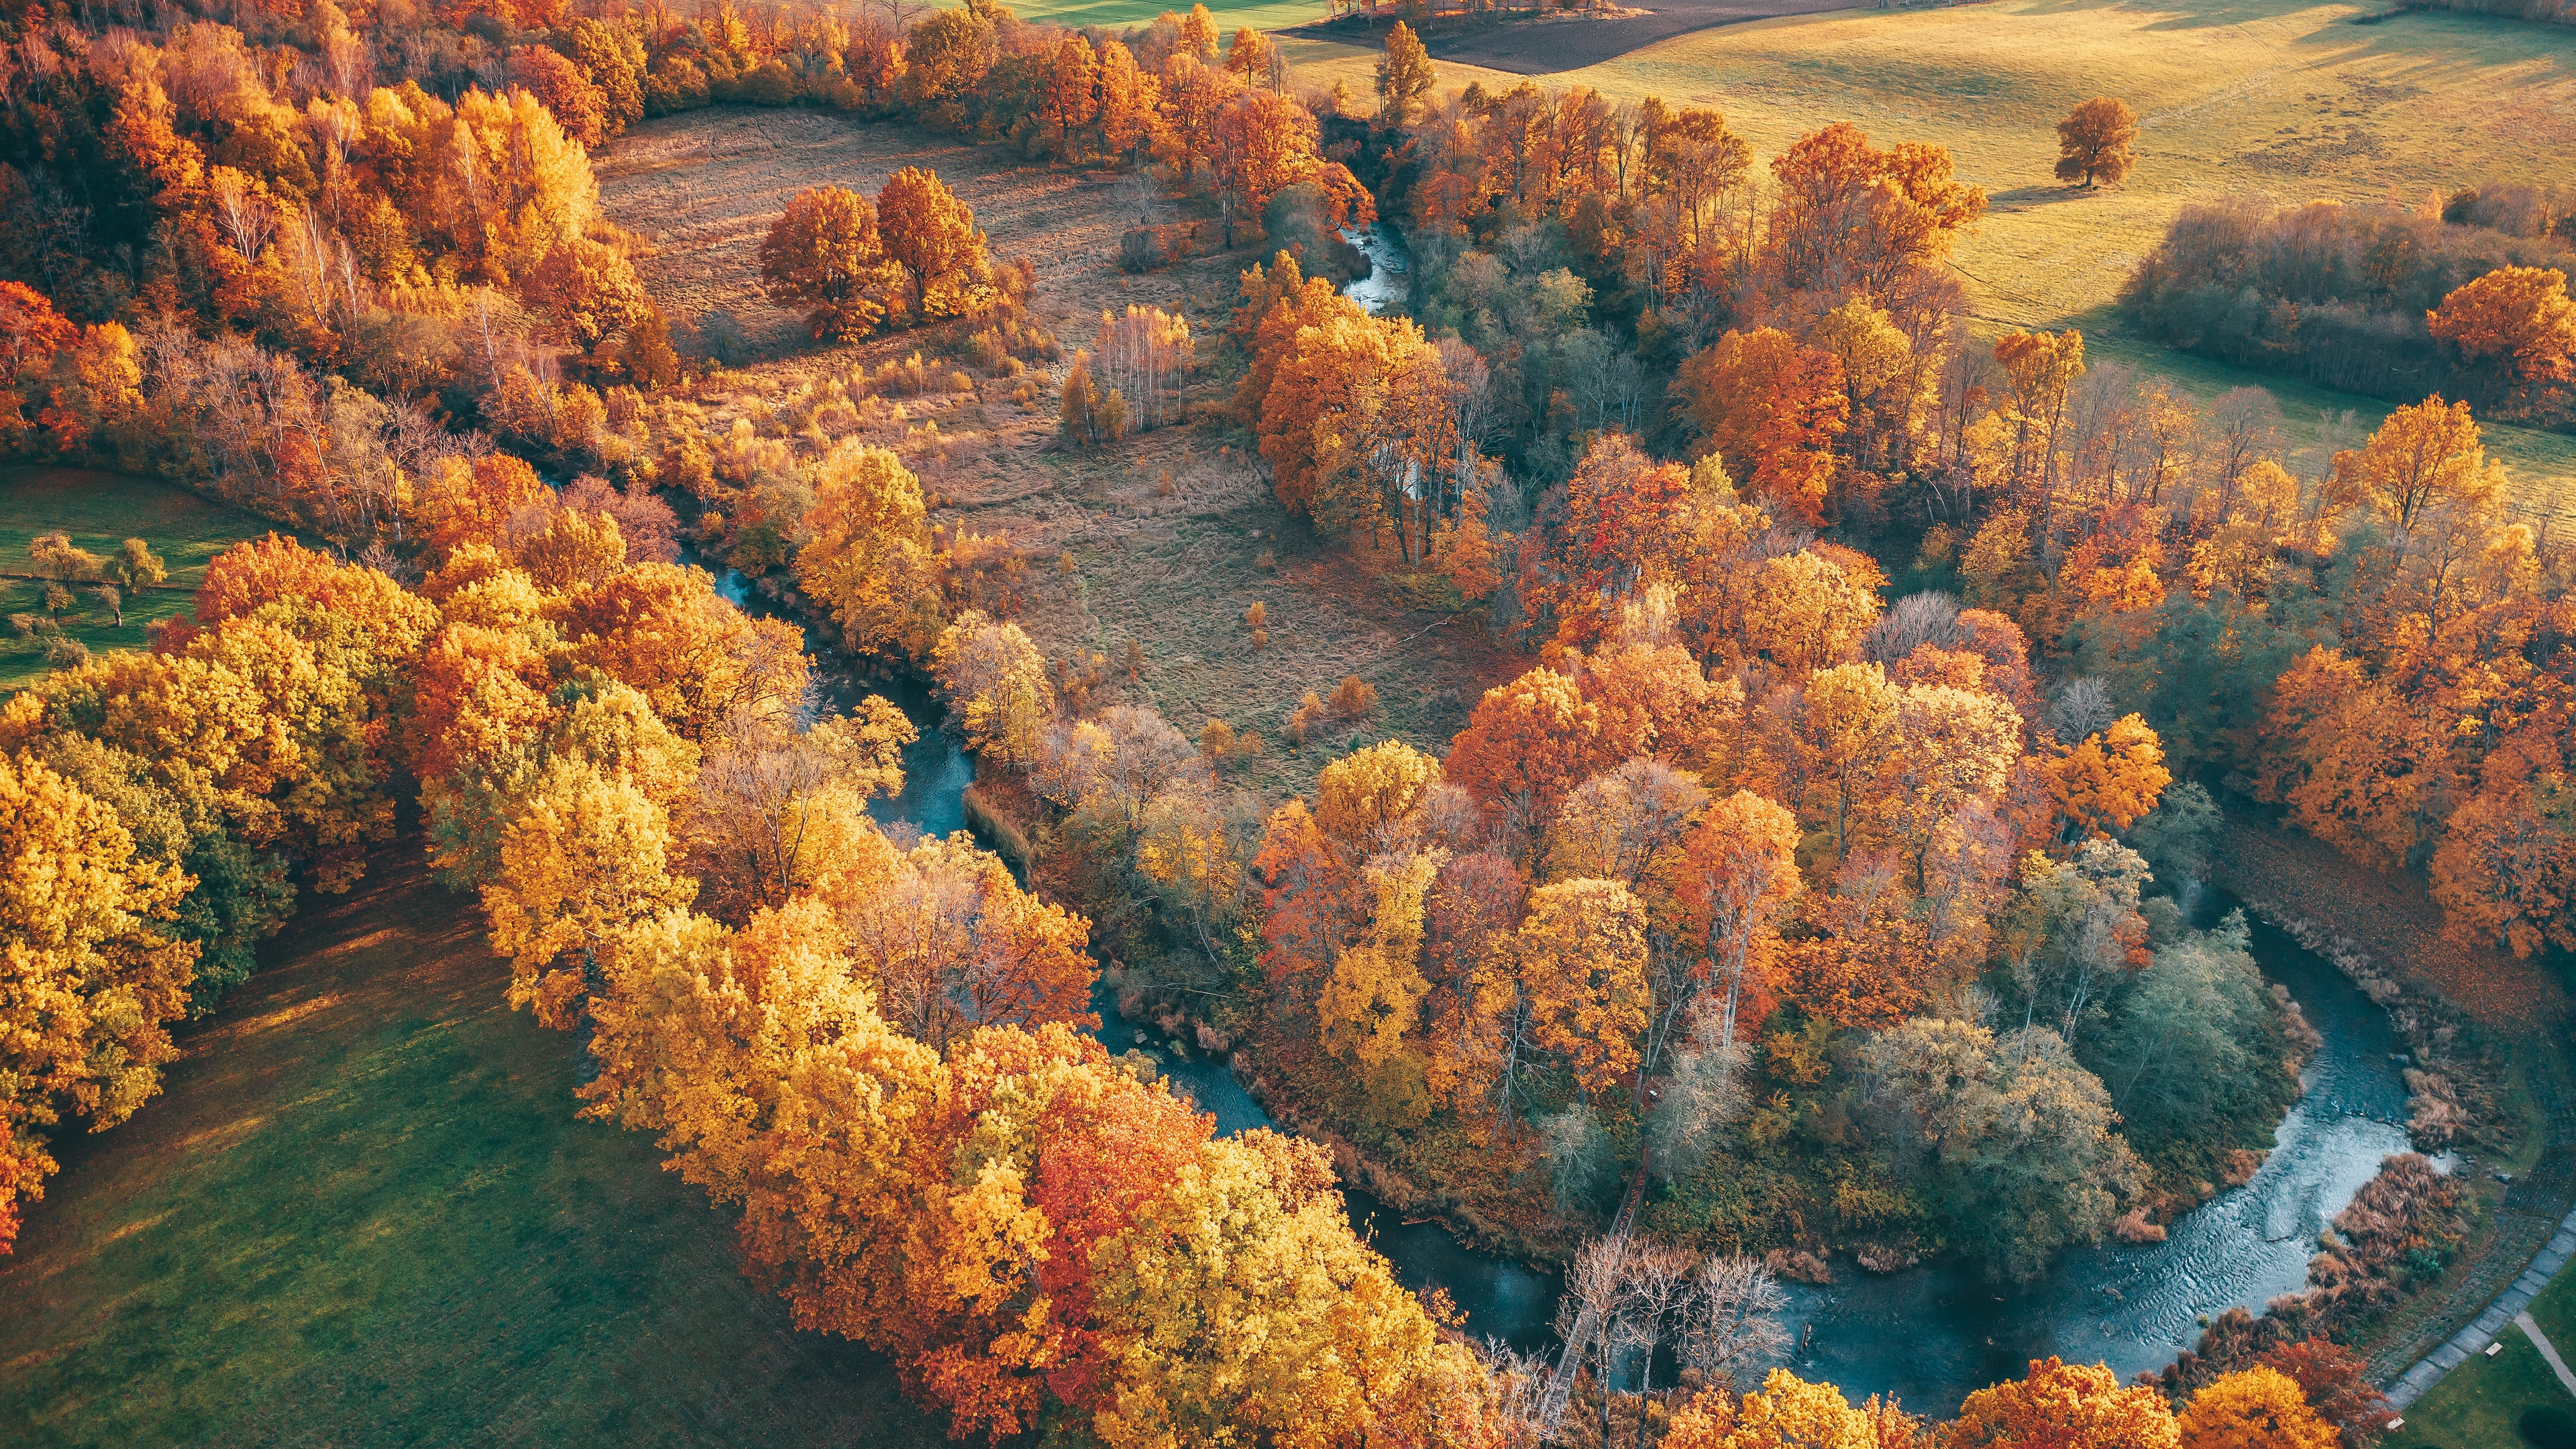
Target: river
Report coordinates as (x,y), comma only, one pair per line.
(1928,1335)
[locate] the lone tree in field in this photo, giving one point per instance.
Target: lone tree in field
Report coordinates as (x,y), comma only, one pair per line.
(932,234)
(825,257)
(1404,76)
(2097,141)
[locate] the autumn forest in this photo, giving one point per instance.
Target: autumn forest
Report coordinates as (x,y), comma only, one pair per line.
(1082,666)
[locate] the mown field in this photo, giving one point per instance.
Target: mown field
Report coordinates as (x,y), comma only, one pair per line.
(363,1213)
(1171,567)
(100,511)
(2482,1401)
(2281,97)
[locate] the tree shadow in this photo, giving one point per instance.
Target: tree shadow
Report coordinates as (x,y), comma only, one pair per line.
(2021,198)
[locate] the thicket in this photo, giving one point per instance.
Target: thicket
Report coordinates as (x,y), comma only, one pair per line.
(2341,296)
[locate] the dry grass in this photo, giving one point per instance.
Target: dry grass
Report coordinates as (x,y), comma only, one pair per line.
(1173,572)
(2276,96)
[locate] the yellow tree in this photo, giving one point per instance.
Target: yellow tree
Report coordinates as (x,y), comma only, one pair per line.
(2422,455)
(587,859)
(1370,1000)
(868,560)
(1850,723)
(1953,747)
(1580,960)
(2112,778)
(2254,1408)
(995,685)
(1404,76)
(932,235)
(87,974)
(1363,792)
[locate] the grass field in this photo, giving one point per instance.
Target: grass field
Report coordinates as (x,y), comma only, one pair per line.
(2477,1404)
(101,511)
(2282,97)
(363,1213)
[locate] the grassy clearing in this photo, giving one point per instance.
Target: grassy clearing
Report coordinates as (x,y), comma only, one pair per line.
(2475,1407)
(1172,570)
(2276,96)
(363,1213)
(101,511)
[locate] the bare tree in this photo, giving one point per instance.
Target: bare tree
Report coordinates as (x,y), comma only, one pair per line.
(1659,1288)
(1930,617)
(1732,1319)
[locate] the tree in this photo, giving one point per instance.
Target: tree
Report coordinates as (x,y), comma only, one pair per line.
(2058,1405)
(824,255)
(2096,142)
(587,859)
(1526,746)
(1771,408)
(869,558)
(2517,320)
(2110,780)
(136,566)
(1370,1001)
(995,685)
(2336,1384)
(1580,962)
(1404,76)
(89,973)
(1250,55)
(1731,1319)
(566,93)
(1739,872)
(2254,1408)
(932,235)
(2422,455)
(2021,1134)
(1072,91)
(1088,419)
(665,630)
(1359,796)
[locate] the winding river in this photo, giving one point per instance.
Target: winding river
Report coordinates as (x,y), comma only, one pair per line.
(1928,1335)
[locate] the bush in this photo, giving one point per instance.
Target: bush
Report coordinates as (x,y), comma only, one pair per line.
(2333,294)
(1138,251)
(63,652)
(1354,698)
(1306,720)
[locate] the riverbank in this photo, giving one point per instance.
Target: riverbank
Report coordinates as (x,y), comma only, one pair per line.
(2520,1189)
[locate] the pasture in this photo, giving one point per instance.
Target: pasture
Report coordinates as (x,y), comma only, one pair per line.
(362,1212)
(100,511)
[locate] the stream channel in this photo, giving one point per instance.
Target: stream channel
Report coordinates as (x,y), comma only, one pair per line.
(1928,1335)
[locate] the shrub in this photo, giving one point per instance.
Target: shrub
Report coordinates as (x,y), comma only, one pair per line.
(64,652)
(1308,718)
(1354,698)
(1138,251)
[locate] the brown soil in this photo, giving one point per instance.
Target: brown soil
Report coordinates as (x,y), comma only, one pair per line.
(1174,571)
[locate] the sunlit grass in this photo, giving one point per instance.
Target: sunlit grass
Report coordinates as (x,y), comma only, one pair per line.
(101,511)
(364,1213)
